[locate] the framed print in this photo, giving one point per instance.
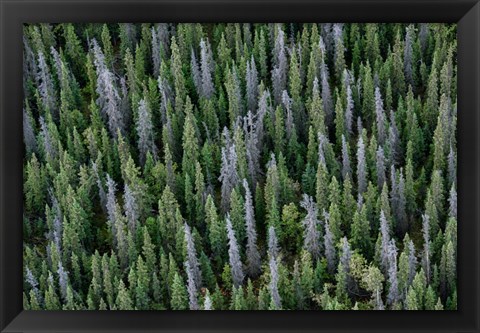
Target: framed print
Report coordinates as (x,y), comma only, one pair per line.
(179,166)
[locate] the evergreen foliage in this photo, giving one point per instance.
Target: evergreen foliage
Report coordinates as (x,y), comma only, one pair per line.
(240,166)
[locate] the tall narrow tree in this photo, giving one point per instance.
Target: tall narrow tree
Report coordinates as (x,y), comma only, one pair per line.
(192,259)
(311,234)
(253,256)
(234,255)
(146,139)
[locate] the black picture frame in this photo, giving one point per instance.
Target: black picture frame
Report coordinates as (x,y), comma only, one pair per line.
(13,13)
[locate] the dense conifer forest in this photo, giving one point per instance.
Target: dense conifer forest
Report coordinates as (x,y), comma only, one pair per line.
(240,166)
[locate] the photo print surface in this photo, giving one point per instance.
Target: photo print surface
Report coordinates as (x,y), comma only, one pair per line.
(240,166)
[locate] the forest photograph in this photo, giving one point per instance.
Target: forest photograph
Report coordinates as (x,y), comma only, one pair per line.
(240,166)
